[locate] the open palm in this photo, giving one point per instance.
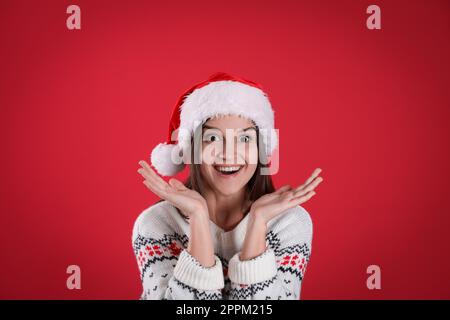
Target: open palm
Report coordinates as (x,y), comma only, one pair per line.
(272,204)
(188,201)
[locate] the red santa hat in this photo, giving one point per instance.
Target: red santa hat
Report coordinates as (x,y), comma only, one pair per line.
(220,94)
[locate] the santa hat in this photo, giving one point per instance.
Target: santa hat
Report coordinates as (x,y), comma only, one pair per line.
(220,94)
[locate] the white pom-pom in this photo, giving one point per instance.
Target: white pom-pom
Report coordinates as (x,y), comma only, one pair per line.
(164,158)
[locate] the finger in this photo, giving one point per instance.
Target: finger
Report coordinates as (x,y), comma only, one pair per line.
(283,189)
(156,177)
(149,169)
(287,195)
(152,188)
(302,199)
(151,179)
(308,188)
(161,187)
(177,184)
(314,175)
(311,178)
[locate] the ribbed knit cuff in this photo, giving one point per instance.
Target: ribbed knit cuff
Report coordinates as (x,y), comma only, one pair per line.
(189,271)
(257,269)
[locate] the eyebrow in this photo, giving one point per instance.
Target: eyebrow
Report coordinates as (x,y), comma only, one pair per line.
(209,127)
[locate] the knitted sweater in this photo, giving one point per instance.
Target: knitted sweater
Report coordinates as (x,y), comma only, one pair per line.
(168,272)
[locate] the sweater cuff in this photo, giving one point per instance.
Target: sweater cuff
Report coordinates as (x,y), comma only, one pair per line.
(258,269)
(189,271)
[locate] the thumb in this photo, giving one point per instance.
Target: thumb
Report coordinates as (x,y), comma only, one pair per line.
(177,184)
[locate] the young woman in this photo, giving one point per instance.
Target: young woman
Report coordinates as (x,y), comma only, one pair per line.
(225,233)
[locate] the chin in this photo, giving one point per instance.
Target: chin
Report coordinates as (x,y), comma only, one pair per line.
(227,190)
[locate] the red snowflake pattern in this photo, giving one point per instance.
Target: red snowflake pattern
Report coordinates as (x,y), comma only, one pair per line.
(293,261)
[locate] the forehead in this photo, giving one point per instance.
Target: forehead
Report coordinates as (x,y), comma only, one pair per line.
(223,122)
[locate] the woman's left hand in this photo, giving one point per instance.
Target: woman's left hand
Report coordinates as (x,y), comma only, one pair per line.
(272,204)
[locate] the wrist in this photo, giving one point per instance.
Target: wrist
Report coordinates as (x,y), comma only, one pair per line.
(256,226)
(200,216)
(257,219)
(255,239)
(201,211)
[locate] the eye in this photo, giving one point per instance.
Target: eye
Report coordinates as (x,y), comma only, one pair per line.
(211,137)
(245,139)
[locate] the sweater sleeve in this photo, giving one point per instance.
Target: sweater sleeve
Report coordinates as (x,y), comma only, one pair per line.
(279,271)
(169,272)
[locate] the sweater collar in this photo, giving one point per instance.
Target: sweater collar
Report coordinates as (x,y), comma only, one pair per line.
(230,241)
(238,228)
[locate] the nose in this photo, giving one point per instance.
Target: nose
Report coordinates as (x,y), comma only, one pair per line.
(231,152)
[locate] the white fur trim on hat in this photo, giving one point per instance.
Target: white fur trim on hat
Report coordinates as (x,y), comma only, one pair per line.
(227,97)
(162,158)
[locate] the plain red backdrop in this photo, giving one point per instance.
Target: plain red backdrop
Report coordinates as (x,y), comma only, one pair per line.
(80,108)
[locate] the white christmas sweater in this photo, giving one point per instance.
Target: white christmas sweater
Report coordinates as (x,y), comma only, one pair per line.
(168,272)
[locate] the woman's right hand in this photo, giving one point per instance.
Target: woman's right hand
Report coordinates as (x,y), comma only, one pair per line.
(188,201)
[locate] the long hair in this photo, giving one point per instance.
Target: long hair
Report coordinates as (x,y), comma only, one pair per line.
(256,187)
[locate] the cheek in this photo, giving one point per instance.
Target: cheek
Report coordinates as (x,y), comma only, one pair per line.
(209,152)
(250,170)
(251,154)
(206,171)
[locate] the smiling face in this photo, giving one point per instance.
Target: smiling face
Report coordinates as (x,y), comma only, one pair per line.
(229,153)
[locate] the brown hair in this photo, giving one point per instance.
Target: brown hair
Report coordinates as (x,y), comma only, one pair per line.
(257,186)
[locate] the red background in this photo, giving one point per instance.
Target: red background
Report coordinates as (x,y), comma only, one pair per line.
(80,108)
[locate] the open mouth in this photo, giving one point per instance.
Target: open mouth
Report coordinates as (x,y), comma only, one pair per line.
(227,170)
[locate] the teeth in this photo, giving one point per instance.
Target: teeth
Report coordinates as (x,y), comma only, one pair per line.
(228,169)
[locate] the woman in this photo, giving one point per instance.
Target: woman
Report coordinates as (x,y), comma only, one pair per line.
(226,233)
